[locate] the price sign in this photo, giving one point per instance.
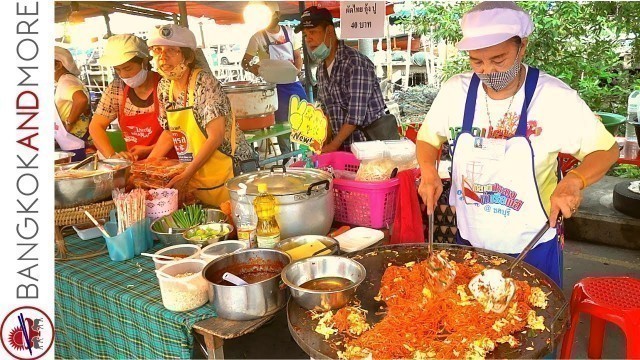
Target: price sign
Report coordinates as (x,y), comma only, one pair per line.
(362,19)
(308,124)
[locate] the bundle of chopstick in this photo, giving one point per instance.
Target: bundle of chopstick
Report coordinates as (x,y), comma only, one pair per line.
(130,207)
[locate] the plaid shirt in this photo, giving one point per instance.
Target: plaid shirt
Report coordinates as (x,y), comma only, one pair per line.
(351,94)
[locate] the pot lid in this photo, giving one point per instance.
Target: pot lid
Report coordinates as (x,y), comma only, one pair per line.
(244,86)
(281,181)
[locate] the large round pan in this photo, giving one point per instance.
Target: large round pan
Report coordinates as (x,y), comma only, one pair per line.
(377,260)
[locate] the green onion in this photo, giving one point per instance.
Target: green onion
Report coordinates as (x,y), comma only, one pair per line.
(190,215)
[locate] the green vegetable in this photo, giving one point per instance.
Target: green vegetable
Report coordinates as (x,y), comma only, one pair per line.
(190,215)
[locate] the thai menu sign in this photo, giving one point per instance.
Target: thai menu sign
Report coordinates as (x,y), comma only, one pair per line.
(362,19)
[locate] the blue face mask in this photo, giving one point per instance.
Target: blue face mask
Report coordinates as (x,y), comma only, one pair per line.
(321,52)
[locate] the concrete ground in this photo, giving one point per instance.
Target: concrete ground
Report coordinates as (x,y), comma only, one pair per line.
(273,340)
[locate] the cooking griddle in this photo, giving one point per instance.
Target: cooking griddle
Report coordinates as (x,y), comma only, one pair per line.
(376,260)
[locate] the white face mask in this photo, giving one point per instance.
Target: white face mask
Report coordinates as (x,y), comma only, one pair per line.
(137,79)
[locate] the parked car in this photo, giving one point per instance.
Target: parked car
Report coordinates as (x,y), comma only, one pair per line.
(226,54)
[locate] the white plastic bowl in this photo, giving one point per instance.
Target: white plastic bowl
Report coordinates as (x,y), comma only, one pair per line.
(192,250)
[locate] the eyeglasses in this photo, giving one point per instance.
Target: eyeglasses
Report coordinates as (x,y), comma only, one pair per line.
(166,50)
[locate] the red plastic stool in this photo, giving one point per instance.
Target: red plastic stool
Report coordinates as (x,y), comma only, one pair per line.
(613,299)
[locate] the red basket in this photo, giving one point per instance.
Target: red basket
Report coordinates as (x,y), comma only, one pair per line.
(370,204)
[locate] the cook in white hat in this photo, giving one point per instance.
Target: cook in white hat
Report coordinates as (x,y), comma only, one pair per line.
(131,99)
(196,115)
(505,123)
(277,42)
(72,103)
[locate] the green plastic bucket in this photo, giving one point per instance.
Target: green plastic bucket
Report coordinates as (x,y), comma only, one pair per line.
(611,121)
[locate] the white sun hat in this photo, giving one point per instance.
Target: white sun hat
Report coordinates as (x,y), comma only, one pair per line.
(172,35)
(122,48)
(64,56)
(493,22)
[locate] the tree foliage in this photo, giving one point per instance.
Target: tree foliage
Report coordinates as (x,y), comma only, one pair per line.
(579,42)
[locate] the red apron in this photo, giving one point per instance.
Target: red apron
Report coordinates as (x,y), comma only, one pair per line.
(142,129)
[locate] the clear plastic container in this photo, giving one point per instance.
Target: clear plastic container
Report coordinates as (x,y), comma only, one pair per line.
(182,285)
(633,106)
(182,251)
(401,151)
(358,238)
(369,150)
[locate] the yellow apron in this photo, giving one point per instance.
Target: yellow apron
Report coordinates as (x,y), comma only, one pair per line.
(188,138)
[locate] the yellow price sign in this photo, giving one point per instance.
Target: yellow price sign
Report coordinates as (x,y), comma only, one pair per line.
(308,124)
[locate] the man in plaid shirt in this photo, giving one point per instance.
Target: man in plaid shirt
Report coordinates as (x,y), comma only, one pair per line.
(348,89)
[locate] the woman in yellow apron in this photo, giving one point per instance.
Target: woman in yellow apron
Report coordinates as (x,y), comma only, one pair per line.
(196,115)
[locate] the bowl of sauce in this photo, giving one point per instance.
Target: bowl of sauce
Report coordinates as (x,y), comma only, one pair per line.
(323,282)
(262,296)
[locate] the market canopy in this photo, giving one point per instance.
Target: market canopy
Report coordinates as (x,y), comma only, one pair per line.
(223,12)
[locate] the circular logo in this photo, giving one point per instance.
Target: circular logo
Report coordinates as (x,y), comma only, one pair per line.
(166,32)
(27,333)
(180,141)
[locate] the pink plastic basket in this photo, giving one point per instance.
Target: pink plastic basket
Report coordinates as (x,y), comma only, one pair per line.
(370,204)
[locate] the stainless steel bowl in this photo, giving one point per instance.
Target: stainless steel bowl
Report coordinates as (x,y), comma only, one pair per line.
(161,226)
(189,234)
(62,157)
(215,216)
(166,230)
(289,244)
(300,272)
(253,301)
(71,192)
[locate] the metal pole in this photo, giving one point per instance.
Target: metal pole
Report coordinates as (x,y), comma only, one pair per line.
(407,67)
(365,46)
(307,65)
(182,6)
(106,21)
(202,36)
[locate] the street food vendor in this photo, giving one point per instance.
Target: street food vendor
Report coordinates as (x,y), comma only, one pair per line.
(506,123)
(71,99)
(131,98)
(196,115)
(348,89)
(277,42)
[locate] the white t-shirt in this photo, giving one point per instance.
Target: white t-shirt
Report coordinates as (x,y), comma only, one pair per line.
(258,46)
(558,121)
(66,86)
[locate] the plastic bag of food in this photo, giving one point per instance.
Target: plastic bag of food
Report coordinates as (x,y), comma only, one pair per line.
(375,170)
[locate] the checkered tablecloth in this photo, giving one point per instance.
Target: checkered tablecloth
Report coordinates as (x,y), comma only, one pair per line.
(108,309)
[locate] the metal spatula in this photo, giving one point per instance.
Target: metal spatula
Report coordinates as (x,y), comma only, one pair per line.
(492,289)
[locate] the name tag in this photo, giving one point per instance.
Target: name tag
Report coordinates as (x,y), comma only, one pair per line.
(489,149)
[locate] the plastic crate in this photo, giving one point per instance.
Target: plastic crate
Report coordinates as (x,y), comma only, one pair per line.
(369,204)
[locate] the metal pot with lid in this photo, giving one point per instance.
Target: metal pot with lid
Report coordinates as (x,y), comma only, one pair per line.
(305,198)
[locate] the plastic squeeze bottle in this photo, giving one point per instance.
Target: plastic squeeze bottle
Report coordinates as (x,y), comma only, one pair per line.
(245,218)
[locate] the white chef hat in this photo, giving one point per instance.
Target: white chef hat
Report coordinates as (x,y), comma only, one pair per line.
(64,56)
(172,35)
(492,22)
